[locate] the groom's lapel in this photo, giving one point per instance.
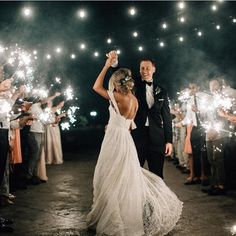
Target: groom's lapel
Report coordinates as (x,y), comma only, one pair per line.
(156,89)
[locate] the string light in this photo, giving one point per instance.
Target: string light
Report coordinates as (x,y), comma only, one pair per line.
(218,27)
(82,46)
(135,34)
(27,12)
(182,19)
(48,56)
(109,40)
(234,20)
(164,26)
(72,56)
(81,13)
(181,38)
(214,8)
(58,50)
(132,11)
(118,51)
(140,48)
(162,44)
(96,54)
(93,113)
(181,5)
(199,33)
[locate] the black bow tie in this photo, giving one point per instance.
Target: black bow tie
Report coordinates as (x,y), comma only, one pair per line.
(148,83)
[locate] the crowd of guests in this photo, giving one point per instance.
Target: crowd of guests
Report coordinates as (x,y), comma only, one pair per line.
(29,139)
(204,137)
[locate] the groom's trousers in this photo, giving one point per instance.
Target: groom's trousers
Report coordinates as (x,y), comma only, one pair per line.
(154,155)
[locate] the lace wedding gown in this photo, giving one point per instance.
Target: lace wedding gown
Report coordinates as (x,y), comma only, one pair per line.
(128,200)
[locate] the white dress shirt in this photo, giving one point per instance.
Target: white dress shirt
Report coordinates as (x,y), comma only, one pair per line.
(190,117)
(149,99)
(41,118)
(5,108)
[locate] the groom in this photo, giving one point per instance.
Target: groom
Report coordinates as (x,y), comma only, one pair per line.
(153,136)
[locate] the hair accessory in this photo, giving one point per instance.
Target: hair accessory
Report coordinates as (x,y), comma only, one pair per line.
(125,80)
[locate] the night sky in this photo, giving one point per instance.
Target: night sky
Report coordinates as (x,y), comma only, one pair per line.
(52,24)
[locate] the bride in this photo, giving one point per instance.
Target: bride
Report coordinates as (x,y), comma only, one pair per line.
(128,200)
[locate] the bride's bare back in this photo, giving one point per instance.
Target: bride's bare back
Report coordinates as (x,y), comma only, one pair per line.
(127,104)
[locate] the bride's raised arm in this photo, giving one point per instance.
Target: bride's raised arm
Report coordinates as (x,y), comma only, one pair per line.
(98,85)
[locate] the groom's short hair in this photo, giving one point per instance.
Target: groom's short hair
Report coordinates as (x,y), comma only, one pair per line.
(148,59)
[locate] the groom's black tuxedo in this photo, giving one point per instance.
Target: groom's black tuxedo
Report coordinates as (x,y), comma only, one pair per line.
(150,140)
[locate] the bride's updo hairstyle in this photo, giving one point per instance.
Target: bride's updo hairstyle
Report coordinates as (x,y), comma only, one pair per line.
(122,80)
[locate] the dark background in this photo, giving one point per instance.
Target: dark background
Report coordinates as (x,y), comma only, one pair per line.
(55,23)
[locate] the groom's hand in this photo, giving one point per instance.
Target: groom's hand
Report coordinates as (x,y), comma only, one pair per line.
(169,149)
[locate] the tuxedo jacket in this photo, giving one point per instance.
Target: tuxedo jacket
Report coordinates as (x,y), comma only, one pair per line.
(160,122)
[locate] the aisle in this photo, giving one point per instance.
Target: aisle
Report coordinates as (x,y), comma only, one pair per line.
(58,207)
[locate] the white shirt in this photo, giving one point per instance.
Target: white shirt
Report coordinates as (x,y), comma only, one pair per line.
(5,108)
(149,99)
(190,117)
(41,118)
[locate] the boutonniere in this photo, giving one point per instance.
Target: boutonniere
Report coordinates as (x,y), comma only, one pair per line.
(157,90)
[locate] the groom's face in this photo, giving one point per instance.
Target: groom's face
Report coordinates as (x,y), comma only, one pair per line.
(147,69)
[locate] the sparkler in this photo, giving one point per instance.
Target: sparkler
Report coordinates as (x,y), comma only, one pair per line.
(184,95)
(58,80)
(69,93)
(65,125)
(46,117)
(40,92)
(71,114)
(21,61)
(221,101)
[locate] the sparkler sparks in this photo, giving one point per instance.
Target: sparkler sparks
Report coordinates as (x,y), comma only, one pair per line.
(69,93)
(41,92)
(184,95)
(47,116)
(65,125)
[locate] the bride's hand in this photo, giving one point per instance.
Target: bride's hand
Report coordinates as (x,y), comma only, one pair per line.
(108,62)
(113,56)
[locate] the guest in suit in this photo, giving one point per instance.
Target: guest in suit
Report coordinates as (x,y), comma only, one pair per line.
(153,136)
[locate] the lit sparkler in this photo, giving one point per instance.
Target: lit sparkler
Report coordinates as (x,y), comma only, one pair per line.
(65,125)
(69,93)
(184,95)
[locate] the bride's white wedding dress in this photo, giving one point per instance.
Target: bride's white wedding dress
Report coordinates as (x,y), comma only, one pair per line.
(128,200)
